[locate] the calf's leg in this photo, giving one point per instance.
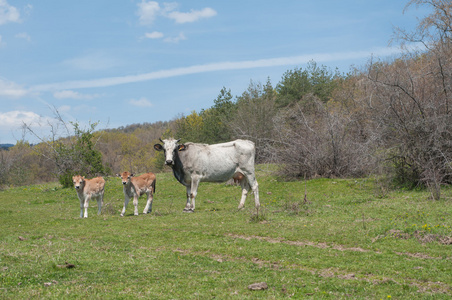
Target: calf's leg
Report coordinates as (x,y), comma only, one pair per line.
(100,201)
(126,202)
(86,205)
(82,205)
(135,204)
(148,208)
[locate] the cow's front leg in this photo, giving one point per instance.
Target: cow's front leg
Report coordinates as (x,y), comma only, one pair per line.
(194,192)
(135,204)
(126,202)
(86,205)
(188,205)
(148,208)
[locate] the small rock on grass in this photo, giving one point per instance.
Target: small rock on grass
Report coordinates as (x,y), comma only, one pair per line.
(258,286)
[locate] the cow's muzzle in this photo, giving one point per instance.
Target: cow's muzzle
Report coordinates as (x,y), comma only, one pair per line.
(124,182)
(169,162)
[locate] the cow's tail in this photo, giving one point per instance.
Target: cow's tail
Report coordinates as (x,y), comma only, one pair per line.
(153,186)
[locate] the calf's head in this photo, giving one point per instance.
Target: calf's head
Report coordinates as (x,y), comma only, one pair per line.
(79,181)
(170,148)
(125,177)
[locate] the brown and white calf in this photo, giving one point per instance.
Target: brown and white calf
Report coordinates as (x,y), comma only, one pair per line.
(87,189)
(134,187)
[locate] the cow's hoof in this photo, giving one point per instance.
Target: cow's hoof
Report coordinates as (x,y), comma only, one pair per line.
(135,214)
(122,215)
(188,210)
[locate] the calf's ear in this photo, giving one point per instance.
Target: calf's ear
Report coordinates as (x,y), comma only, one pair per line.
(158,147)
(181,147)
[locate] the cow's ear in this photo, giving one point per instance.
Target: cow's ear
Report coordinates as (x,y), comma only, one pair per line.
(181,147)
(158,147)
(118,175)
(131,175)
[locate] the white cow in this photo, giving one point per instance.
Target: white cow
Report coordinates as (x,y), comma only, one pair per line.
(87,189)
(134,187)
(193,163)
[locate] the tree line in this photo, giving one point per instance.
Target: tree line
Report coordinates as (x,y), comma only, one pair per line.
(390,118)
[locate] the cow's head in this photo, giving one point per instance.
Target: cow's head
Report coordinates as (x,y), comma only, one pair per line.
(125,177)
(170,148)
(78,181)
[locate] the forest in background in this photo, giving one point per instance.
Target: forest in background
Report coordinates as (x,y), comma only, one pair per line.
(389,118)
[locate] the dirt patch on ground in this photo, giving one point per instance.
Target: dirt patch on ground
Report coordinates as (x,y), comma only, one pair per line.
(298,243)
(418,235)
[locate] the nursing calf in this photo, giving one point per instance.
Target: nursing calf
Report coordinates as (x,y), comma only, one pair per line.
(87,189)
(134,187)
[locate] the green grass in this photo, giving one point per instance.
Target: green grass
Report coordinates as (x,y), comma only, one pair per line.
(342,241)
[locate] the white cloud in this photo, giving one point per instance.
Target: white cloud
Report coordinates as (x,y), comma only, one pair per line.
(8,13)
(148,12)
(24,35)
(154,35)
(67,94)
(175,39)
(142,102)
(219,66)
(17,118)
(192,16)
(11,90)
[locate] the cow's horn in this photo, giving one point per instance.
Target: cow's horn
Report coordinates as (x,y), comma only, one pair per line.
(160,139)
(177,141)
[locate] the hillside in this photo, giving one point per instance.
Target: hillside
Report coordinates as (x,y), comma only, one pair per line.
(345,239)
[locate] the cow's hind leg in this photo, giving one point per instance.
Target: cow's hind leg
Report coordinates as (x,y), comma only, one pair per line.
(245,188)
(148,208)
(255,187)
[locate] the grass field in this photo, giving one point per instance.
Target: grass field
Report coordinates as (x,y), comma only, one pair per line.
(343,241)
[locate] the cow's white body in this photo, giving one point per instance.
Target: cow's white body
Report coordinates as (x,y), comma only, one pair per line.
(193,163)
(134,187)
(87,189)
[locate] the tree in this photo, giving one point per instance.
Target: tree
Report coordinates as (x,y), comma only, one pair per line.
(216,118)
(295,84)
(71,155)
(190,127)
(254,114)
(411,101)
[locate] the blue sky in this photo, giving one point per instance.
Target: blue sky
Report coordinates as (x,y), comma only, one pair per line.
(136,61)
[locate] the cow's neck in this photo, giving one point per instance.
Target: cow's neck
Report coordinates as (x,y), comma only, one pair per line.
(178,169)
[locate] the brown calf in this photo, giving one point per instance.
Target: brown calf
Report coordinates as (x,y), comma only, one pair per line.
(87,189)
(134,187)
